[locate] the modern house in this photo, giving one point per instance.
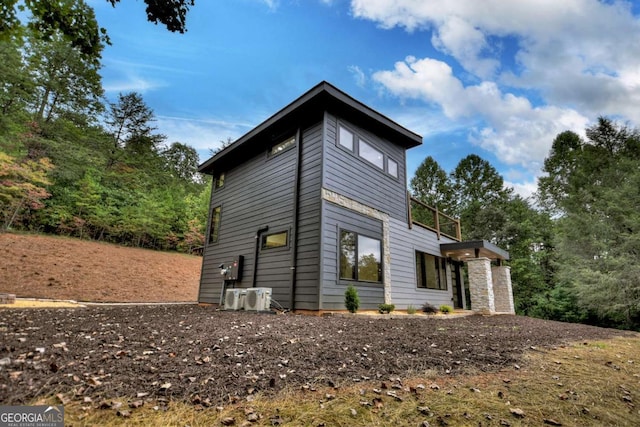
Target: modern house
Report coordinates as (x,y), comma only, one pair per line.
(314,199)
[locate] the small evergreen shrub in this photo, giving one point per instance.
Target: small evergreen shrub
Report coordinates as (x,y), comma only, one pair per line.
(351,299)
(386,308)
(429,309)
(446,309)
(411,310)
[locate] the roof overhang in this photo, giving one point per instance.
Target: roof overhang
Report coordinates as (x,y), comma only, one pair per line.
(473,249)
(305,111)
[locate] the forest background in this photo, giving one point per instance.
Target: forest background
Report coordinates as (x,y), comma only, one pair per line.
(72,163)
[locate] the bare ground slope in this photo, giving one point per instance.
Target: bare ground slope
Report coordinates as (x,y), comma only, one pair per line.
(63,268)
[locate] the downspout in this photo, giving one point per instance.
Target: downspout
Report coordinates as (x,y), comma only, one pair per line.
(296,211)
(261,230)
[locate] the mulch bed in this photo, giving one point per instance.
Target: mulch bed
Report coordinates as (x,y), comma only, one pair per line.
(206,357)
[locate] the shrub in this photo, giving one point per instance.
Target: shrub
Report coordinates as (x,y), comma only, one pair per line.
(351,299)
(446,309)
(411,310)
(429,309)
(386,308)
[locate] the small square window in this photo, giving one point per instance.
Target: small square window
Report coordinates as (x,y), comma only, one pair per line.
(370,154)
(282,147)
(276,240)
(345,138)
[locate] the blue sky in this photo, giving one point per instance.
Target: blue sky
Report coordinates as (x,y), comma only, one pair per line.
(496,78)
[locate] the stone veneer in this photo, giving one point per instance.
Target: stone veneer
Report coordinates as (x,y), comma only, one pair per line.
(345,202)
(481,285)
(502,290)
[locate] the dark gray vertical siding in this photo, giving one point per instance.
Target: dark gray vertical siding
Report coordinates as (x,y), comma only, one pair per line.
(308,258)
(336,218)
(404,242)
(257,193)
(260,193)
(351,176)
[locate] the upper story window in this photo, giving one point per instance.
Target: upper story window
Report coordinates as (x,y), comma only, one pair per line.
(349,140)
(392,167)
(345,138)
(282,147)
(218,181)
(370,154)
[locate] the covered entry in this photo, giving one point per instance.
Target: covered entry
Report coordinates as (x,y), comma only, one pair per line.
(489,284)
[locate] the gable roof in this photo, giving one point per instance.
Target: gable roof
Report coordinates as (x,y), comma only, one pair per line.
(304,111)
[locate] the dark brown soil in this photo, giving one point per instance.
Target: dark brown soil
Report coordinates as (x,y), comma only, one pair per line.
(206,357)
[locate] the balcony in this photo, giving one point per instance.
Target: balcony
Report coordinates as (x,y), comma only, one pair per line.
(432,219)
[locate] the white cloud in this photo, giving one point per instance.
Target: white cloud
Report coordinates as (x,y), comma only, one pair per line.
(201,134)
(511,127)
(358,75)
(132,84)
(578,53)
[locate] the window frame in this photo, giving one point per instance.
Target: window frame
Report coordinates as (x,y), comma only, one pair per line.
(356,258)
(263,238)
(287,143)
(214,227)
(397,167)
(354,149)
(352,145)
(422,277)
(219,180)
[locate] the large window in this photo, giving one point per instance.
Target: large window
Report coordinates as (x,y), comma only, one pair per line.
(275,240)
(430,272)
(360,257)
(214,230)
(370,154)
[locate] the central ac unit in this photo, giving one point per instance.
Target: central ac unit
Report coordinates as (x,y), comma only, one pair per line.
(258,299)
(234,299)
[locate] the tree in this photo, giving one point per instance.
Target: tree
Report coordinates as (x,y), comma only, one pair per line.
(559,166)
(182,161)
(75,20)
(480,193)
(64,79)
(130,124)
(598,223)
(431,185)
(22,185)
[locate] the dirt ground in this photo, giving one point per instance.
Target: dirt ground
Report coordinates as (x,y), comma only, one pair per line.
(39,266)
(207,357)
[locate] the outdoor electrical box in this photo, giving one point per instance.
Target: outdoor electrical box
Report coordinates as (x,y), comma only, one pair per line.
(232,271)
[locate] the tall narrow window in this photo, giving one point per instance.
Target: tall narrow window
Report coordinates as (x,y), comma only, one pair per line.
(345,138)
(360,257)
(392,167)
(367,152)
(214,229)
(430,272)
(218,181)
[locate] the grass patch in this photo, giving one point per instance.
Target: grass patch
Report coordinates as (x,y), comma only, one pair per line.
(584,384)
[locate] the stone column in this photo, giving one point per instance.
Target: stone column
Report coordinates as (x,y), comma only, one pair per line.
(502,290)
(481,285)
